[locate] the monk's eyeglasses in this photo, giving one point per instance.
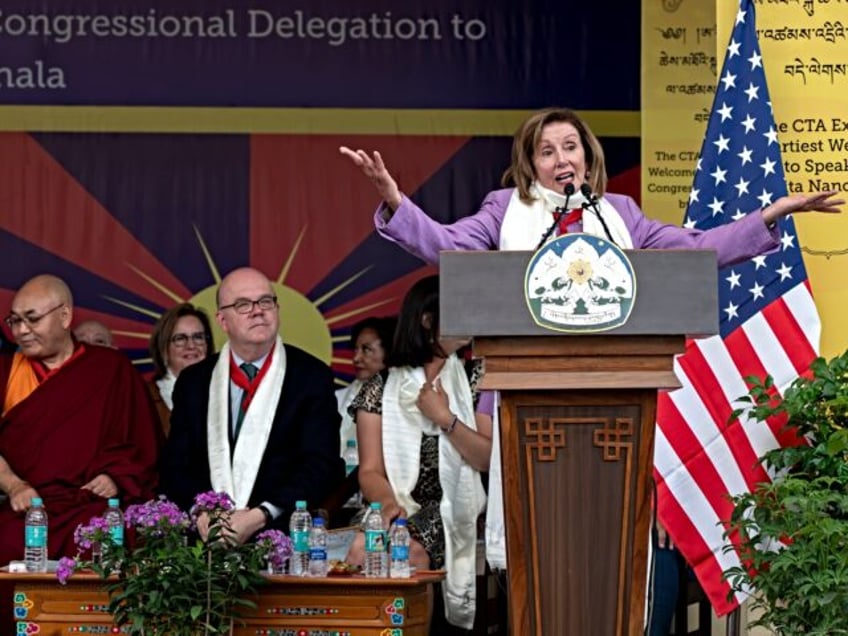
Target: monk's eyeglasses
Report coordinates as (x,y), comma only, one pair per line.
(13,321)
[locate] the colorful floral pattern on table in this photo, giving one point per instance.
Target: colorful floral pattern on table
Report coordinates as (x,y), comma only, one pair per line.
(396,613)
(22,606)
(303,611)
(301,632)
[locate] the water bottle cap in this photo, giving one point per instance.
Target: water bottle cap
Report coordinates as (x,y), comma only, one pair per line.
(318,521)
(114,503)
(36,501)
(400,522)
(300,505)
(351,443)
(376,505)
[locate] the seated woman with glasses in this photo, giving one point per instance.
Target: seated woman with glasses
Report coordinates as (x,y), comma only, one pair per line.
(181,337)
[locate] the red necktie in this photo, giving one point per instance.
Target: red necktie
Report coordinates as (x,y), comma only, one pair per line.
(565,220)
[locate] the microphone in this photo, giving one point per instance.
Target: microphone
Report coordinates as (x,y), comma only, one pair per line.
(558,212)
(591,204)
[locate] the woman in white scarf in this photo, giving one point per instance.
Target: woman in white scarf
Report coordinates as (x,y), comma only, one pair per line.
(181,337)
(423,445)
(554,151)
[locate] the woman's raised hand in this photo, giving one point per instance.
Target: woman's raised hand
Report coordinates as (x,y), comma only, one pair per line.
(816,202)
(372,166)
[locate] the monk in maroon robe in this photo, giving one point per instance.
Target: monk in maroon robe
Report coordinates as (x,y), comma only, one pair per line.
(76,423)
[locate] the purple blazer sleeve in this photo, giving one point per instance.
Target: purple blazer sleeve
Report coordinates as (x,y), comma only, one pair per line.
(486,403)
(418,234)
(733,242)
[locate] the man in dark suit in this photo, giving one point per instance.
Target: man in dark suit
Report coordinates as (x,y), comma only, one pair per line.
(257,421)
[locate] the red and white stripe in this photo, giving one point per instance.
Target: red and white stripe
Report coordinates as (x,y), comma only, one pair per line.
(700,456)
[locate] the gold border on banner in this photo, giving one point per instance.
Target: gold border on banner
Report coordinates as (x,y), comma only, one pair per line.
(305,121)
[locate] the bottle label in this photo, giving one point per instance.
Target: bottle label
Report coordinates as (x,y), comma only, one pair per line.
(375,541)
(317,554)
(349,468)
(117,535)
(400,553)
(300,539)
(36,536)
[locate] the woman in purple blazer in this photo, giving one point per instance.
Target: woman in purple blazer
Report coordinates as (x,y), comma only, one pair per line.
(558,164)
(554,153)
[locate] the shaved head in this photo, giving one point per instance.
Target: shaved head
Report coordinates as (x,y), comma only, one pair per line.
(42,311)
(47,286)
(93,332)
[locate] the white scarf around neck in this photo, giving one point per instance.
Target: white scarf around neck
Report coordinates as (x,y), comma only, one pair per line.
(235,473)
(463,497)
(165,384)
(344,397)
(524,225)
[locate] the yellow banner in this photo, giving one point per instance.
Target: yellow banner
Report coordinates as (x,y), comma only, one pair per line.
(679,68)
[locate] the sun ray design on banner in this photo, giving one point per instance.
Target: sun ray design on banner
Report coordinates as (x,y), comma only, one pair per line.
(137,223)
(129,254)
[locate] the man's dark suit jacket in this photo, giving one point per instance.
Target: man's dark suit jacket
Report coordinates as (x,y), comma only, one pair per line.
(302,459)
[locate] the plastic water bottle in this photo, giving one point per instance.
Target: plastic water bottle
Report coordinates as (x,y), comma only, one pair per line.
(35,537)
(300,524)
(318,548)
(114,519)
(350,456)
(399,563)
(375,543)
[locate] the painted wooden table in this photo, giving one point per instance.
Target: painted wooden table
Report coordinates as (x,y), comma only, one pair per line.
(287,606)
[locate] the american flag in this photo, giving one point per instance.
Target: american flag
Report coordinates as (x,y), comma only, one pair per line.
(768,326)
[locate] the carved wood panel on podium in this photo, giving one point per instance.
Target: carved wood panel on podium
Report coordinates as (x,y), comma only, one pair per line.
(577,431)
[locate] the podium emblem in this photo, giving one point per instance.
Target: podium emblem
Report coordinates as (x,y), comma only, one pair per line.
(579,283)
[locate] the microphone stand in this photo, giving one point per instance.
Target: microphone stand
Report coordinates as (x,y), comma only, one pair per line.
(558,212)
(591,204)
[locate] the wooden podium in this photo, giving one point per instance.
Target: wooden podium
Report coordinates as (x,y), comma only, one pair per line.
(577,431)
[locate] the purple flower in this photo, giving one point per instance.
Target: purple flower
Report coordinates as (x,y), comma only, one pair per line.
(278,547)
(65,569)
(211,501)
(156,517)
(96,530)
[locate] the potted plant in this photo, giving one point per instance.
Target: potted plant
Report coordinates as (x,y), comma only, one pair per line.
(793,531)
(169,584)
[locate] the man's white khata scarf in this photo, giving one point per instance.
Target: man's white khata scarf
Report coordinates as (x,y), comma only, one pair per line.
(463,497)
(524,225)
(237,476)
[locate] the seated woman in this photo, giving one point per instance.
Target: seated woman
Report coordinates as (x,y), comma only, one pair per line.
(423,445)
(371,339)
(181,337)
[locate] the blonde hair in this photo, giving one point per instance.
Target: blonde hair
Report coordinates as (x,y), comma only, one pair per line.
(521,172)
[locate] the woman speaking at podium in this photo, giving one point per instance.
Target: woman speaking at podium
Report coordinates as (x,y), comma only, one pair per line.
(556,183)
